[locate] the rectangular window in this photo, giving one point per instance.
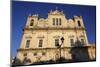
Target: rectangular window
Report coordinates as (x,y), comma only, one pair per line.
(40,43)
(56,42)
(27,43)
(56,21)
(53,21)
(59,21)
(72,42)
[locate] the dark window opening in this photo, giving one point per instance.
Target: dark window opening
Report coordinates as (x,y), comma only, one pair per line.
(35,54)
(82,41)
(27,43)
(59,21)
(56,42)
(32,22)
(72,42)
(40,43)
(43,53)
(53,21)
(79,24)
(25,54)
(56,21)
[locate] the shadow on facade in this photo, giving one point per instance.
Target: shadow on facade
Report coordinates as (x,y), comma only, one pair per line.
(79,54)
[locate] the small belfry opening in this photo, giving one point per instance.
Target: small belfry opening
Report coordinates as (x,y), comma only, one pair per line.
(32,22)
(79,24)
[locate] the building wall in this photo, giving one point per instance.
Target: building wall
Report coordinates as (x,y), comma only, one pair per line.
(49,36)
(45,30)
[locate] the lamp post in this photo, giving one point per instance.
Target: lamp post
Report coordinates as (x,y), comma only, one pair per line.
(59,47)
(62,41)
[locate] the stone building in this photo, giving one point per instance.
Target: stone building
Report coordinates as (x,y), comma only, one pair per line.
(53,38)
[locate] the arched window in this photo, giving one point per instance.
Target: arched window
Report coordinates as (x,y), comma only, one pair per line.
(26,60)
(82,41)
(32,22)
(79,24)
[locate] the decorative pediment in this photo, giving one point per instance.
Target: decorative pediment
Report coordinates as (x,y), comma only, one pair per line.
(56,12)
(71,36)
(40,36)
(28,37)
(56,36)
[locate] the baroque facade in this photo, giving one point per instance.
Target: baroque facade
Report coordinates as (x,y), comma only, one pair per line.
(53,38)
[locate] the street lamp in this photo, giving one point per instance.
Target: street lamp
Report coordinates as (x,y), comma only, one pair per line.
(62,41)
(59,46)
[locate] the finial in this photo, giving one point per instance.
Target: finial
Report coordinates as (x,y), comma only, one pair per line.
(80,16)
(36,14)
(56,8)
(50,10)
(29,15)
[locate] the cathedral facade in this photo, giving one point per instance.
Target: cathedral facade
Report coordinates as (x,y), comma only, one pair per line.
(53,38)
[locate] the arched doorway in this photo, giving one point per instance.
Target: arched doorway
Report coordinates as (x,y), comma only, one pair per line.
(26,61)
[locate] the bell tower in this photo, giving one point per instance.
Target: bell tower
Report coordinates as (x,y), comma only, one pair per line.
(32,21)
(80,30)
(78,21)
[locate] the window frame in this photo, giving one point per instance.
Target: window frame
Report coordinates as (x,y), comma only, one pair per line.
(59,21)
(56,42)
(72,42)
(40,43)
(27,44)
(43,53)
(53,21)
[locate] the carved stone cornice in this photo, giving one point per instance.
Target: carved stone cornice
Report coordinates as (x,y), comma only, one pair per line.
(54,28)
(29,49)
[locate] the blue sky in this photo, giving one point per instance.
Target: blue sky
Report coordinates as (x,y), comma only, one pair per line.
(21,10)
